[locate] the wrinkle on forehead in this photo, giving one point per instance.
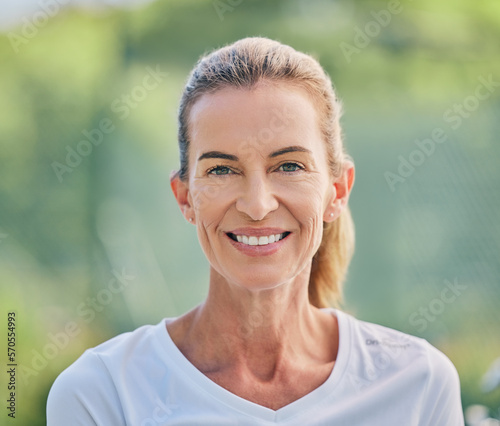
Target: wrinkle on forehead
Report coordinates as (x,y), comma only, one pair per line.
(239,114)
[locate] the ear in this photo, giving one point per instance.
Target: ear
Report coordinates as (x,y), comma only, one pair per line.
(182,195)
(340,195)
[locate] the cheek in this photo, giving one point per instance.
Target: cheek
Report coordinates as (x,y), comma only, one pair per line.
(307,200)
(307,206)
(204,196)
(210,202)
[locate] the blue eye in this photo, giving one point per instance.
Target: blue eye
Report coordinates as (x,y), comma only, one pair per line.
(220,170)
(289,167)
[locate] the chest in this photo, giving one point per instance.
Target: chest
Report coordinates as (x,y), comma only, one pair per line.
(281,390)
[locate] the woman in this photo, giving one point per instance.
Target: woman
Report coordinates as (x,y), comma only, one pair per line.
(265,179)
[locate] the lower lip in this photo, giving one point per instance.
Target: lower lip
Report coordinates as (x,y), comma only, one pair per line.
(255,251)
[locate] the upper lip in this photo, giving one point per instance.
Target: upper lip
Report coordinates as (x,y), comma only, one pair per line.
(257,232)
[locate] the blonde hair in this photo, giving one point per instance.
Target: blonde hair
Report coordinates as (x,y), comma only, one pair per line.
(245,63)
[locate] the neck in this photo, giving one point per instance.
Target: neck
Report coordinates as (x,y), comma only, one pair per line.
(258,331)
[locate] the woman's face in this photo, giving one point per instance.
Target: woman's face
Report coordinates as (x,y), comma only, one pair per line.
(259,186)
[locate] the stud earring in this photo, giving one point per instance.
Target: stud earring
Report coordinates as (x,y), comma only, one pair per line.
(331,214)
(190,219)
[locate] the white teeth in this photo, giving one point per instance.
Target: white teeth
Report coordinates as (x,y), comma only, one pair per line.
(253,241)
(263,241)
(259,241)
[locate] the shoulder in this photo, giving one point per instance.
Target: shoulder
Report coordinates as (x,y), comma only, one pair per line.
(385,345)
(417,347)
(80,392)
(88,390)
(409,365)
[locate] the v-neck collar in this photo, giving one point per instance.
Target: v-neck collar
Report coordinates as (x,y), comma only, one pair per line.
(235,402)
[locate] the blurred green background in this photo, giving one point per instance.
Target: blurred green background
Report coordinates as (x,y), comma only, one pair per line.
(67,230)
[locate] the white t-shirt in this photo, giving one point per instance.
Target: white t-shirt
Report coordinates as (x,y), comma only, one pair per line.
(381,377)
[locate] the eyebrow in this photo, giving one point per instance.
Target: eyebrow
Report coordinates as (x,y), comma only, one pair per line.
(230,157)
(288,149)
(217,154)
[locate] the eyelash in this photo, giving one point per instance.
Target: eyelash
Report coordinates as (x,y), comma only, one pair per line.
(231,171)
(299,167)
(219,167)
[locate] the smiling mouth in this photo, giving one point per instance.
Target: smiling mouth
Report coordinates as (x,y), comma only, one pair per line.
(252,240)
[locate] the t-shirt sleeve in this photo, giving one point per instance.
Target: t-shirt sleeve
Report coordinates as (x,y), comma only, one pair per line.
(442,404)
(84,394)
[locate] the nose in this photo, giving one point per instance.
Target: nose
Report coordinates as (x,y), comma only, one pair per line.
(257,199)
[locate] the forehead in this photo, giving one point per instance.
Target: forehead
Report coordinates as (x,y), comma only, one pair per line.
(270,114)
